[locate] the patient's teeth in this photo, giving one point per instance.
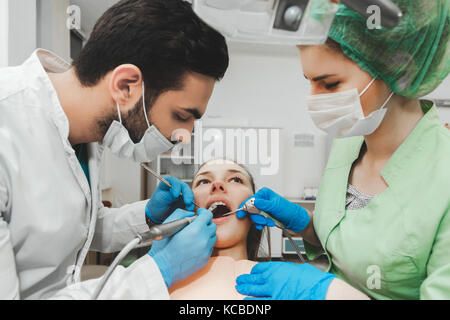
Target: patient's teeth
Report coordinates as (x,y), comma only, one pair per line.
(215,205)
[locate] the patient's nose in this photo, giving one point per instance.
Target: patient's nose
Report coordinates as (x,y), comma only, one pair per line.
(217,186)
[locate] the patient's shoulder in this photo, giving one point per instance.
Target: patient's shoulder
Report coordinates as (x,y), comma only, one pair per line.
(244,266)
(220,272)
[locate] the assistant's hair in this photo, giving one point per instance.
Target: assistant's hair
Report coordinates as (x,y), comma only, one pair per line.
(333,45)
(254,236)
(165,39)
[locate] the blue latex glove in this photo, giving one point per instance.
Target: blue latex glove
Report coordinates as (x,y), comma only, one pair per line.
(165,200)
(284,281)
(188,250)
(293,216)
(259,220)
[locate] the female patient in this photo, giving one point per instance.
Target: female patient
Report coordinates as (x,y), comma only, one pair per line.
(224,185)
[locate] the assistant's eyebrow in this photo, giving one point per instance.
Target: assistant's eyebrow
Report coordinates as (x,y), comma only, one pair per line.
(322,77)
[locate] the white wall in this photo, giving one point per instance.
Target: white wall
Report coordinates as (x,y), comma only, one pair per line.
(26,25)
(52,32)
(442,92)
(22,30)
(121,178)
(17,31)
(4,21)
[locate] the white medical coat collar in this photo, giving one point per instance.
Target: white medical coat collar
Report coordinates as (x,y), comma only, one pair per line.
(38,64)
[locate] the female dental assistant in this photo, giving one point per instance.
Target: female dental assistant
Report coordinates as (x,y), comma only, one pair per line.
(382,215)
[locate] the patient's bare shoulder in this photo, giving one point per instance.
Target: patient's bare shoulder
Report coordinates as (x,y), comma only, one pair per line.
(244,266)
(216,281)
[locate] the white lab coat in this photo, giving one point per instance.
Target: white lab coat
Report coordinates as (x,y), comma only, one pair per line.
(49,215)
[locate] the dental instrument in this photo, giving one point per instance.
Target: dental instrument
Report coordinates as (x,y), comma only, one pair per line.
(157,176)
(250,207)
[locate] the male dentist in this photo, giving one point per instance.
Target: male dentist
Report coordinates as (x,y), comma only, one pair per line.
(149,68)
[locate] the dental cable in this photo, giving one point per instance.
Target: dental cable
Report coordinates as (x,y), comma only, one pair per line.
(286,233)
(157,232)
(122,254)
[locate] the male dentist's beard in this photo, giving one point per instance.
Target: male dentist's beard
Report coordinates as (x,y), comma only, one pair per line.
(133,121)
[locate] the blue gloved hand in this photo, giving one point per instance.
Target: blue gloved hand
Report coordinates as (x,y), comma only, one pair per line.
(259,220)
(165,200)
(188,250)
(293,216)
(284,281)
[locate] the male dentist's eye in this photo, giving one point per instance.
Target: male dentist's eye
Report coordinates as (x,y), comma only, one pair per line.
(179,117)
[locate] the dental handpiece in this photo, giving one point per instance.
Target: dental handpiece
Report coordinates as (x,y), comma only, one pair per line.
(165,230)
(250,207)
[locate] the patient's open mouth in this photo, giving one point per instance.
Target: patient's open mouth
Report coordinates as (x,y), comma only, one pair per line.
(219,209)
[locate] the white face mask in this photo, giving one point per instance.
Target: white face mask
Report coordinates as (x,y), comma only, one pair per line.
(151,145)
(341,115)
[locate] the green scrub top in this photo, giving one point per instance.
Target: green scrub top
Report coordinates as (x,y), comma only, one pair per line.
(398,246)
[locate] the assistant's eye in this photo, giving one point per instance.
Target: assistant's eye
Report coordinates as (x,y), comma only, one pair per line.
(333,85)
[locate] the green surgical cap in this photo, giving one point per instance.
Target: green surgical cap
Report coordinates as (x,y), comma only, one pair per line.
(413,58)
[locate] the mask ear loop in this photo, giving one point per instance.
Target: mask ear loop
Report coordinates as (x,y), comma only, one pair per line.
(367,88)
(387,100)
(118,112)
(143,104)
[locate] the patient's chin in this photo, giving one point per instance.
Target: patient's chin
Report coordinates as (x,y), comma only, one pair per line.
(231,233)
(224,243)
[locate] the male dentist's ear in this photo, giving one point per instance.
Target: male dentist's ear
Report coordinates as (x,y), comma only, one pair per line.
(125,86)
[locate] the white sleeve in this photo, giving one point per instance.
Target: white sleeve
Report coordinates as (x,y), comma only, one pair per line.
(9,288)
(115,227)
(140,281)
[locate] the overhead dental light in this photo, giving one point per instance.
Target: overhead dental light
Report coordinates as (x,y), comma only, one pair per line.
(269,21)
(290,22)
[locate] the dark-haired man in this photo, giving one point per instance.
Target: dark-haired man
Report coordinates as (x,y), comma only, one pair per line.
(148,69)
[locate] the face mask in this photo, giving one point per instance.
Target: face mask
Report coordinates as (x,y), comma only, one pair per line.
(151,145)
(341,115)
